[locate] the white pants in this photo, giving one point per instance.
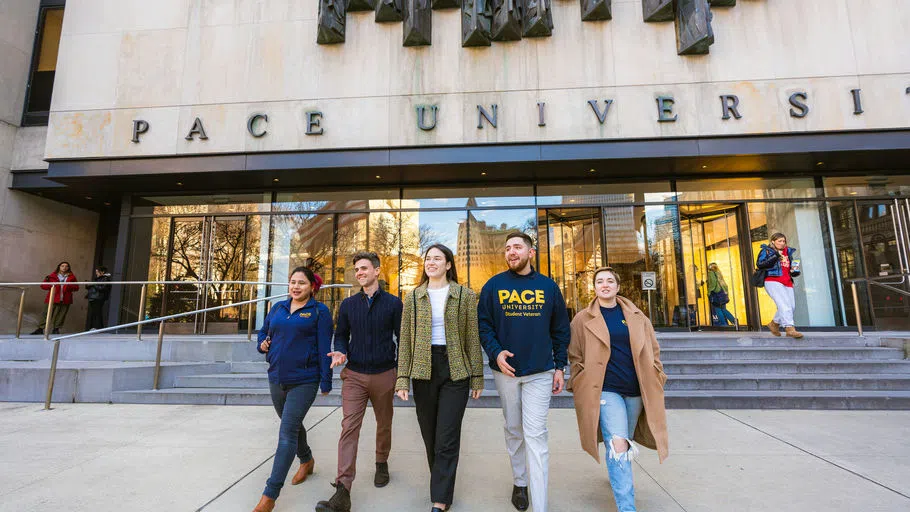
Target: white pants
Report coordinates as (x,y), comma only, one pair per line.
(525,406)
(784,300)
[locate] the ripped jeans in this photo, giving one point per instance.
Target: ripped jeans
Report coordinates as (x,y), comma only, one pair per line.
(618,417)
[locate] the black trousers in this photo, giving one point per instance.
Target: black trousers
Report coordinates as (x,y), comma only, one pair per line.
(95,319)
(440,406)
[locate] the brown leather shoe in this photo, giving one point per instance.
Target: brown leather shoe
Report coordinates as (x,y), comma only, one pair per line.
(774,327)
(266,504)
(305,470)
(793,333)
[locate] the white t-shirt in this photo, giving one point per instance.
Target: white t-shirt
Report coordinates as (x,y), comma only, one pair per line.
(438,304)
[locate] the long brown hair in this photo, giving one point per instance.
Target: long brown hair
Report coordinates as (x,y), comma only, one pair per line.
(451,273)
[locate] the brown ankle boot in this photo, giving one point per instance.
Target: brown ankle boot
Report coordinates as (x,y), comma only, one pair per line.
(793,333)
(266,504)
(774,327)
(305,470)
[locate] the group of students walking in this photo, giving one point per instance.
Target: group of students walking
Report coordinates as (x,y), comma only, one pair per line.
(430,348)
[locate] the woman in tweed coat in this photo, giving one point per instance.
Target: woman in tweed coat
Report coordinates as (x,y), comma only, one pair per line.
(440,351)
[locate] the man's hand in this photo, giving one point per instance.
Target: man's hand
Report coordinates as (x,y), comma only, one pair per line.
(475,393)
(264,346)
(402,394)
(503,365)
(337,359)
(559,382)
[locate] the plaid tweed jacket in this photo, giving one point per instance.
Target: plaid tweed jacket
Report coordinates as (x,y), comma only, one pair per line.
(462,338)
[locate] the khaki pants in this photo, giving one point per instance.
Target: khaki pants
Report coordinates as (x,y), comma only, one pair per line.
(58,315)
(356,390)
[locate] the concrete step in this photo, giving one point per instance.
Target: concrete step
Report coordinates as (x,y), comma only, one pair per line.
(826,400)
(89,381)
(120,348)
(231,396)
(805,382)
(750,339)
(869,400)
(698,367)
(668,355)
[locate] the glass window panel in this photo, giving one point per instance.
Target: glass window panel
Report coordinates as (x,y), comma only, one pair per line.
(420,230)
(745,189)
(343,200)
(298,237)
(217,203)
(570,251)
(604,193)
(849,254)
(647,238)
(804,224)
(41,85)
(486,240)
(468,197)
(384,238)
(868,186)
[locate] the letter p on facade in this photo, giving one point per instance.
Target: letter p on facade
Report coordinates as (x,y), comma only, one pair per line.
(139,127)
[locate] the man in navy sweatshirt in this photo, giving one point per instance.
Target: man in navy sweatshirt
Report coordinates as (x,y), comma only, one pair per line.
(524,328)
(366,338)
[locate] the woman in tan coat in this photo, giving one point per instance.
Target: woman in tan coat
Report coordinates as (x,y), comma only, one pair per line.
(440,355)
(618,383)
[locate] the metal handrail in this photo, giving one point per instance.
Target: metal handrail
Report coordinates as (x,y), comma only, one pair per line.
(161,321)
(50,306)
(875,281)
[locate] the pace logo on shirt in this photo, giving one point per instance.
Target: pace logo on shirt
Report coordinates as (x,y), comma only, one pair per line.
(306,315)
(521,302)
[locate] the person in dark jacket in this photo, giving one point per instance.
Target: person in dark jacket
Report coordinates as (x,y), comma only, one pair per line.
(369,325)
(296,338)
(63,296)
(524,329)
(781,265)
(97,295)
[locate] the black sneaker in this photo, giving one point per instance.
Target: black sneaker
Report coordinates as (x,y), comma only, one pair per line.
(382,474)
(38,331)
(339,502)
(520,497)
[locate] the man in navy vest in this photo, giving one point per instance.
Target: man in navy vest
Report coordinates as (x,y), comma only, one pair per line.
(524,329)
(366,337)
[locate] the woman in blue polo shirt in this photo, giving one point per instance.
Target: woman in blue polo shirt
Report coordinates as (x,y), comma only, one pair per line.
(296,338)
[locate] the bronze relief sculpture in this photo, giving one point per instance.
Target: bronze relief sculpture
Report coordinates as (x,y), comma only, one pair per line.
(418,21)
(693,27)
(506,20)
(596,10)
(476,23)
(330,22)
(537,18)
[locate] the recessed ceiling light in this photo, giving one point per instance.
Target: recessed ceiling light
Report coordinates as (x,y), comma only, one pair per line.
(591,170)
(88,197)
(819,163)
(107,203)
(275,180)
(853,193)
(704,167)
(483,173)
(378,177)
(179,183)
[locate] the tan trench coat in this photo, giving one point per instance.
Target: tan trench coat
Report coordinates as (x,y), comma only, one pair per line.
(589,352)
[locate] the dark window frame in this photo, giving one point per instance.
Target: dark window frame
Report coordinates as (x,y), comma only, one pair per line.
(39,118)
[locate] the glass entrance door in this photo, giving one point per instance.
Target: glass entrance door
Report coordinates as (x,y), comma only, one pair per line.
(714,264)
(571,248)
(883,229)
(209,248)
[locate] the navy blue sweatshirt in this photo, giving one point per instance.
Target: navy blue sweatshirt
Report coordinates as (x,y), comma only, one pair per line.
(300,342)
(620,376)
(527,316)
(368,331)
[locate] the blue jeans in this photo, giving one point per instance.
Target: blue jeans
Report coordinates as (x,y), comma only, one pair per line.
(724,317)
(618,417)
(291,403)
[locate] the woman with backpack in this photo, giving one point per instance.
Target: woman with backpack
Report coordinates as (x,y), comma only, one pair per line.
(440,354)
(718,297)
(780,266)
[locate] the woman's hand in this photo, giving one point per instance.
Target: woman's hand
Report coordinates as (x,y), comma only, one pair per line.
(402,394)
(338,359)
(475,393)
(264,346)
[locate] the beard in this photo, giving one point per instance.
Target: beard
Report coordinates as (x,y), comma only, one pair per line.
(520,264)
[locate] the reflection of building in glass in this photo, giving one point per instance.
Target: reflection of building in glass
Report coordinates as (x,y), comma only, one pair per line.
(485,244)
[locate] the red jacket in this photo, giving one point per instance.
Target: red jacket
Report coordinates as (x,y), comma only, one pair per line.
(62,294)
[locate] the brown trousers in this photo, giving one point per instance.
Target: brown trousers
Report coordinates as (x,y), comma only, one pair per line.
(356,389)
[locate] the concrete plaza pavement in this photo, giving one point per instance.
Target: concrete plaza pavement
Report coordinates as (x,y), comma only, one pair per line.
(98,457)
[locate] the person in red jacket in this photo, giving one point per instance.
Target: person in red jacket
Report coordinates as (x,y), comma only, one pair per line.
(63,295)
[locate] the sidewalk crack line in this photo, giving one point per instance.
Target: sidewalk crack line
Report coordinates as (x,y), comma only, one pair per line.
(270,457)
(819,457)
